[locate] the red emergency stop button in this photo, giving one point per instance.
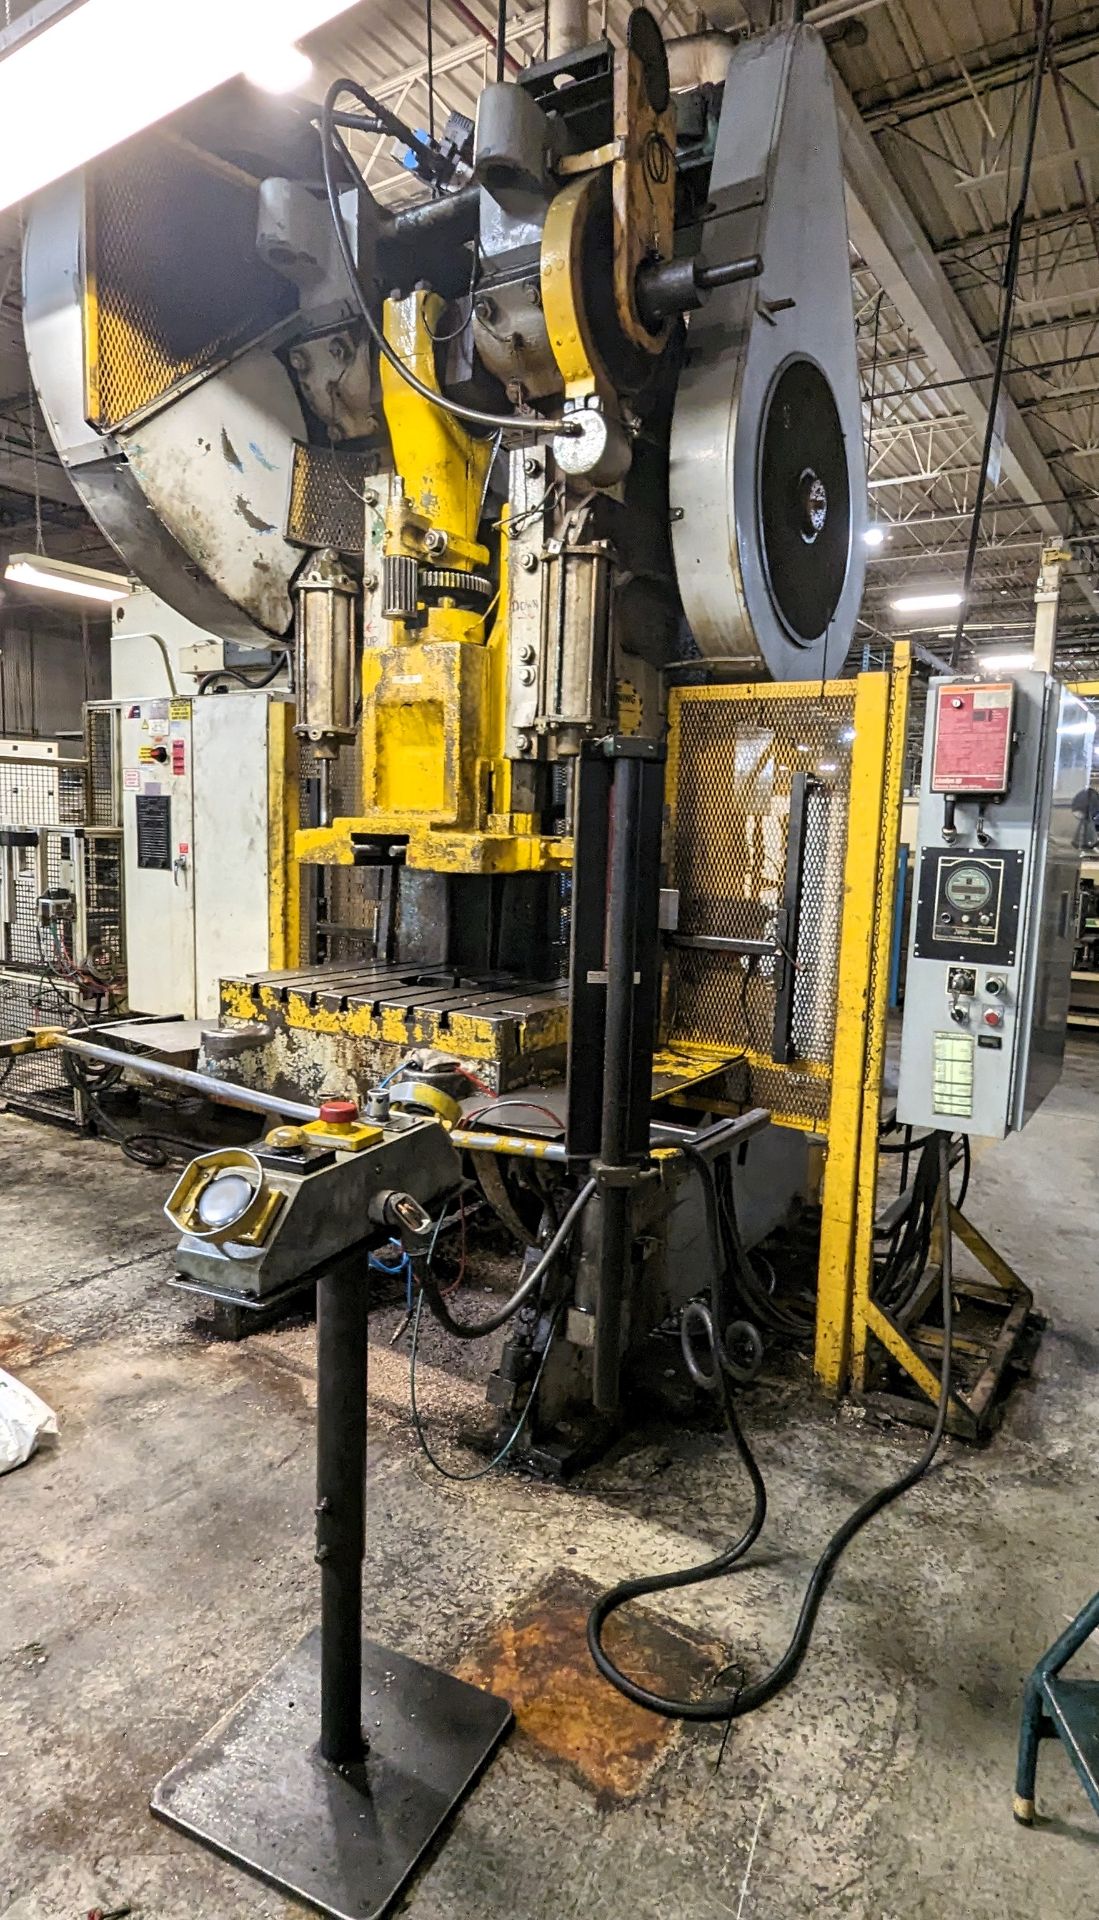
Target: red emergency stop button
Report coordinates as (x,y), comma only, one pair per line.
(339,1113)
(993,1017)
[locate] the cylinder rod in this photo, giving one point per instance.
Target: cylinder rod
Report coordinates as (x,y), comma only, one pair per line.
(219,1090)
(566,27)
(341,1506)
(614,1136)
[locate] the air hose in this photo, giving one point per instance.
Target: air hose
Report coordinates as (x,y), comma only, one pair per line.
(478,1329)
(746,1699)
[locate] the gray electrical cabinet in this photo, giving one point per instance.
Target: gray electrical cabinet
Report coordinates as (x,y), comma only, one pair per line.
(1003,805)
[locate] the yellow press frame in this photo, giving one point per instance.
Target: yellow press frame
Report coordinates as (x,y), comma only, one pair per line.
(845,1312)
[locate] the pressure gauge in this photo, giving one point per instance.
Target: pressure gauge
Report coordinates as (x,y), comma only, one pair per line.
(968,888)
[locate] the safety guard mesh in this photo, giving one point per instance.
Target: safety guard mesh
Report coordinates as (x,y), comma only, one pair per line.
(735,759)
(101,748)
(36,1083)
(164,219)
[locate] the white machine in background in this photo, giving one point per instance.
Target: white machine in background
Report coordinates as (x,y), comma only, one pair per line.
(193,792)
(155,650)
(1005,767)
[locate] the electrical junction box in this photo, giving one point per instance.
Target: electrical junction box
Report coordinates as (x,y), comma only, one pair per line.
(196,840)
(1005,768)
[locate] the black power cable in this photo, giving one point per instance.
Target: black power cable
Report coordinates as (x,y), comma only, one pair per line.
(478,1329)
(146,1148)
(473,416)
(1010,280)
(244,676)
(746,1699)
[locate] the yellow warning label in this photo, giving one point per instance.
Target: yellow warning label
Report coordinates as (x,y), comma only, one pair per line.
(629,707)
(179,710)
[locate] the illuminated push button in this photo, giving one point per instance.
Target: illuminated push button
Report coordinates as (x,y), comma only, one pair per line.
(993,1017)
(225,1200)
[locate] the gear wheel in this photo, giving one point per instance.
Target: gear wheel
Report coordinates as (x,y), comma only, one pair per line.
(452,580)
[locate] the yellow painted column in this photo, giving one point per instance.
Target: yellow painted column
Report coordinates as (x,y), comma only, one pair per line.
(849,1047)
(888,906)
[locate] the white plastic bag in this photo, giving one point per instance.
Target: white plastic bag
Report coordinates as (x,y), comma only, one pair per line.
(26,1422)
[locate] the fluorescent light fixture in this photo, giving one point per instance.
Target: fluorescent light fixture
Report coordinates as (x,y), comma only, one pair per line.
(65,576)
(280,70)
(1005,662)
(145,60)
(873,536)
(926,602)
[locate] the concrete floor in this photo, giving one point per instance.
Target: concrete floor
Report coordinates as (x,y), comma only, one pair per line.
(160,1560)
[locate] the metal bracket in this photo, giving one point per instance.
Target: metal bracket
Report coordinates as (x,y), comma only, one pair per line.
(607,1176)
(630,746)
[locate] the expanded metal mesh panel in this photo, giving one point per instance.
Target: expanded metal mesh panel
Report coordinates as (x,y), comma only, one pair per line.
(36,1082)
(736,760)
(101,747)
(326,497)
(162,221)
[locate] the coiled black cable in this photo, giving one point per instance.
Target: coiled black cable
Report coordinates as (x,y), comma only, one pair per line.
(145,1148)
(746,1699)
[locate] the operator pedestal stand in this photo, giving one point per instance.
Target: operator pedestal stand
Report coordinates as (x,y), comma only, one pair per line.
(340,1823)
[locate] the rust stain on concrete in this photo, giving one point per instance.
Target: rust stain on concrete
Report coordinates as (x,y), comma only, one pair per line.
(537,1658)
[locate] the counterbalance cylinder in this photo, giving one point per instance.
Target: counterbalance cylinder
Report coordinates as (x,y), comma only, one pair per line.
(324,599)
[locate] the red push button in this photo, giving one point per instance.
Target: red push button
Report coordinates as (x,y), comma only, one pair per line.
(339,1113)
(993,1017)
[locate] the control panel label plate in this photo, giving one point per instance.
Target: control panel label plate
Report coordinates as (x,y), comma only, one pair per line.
(973,726)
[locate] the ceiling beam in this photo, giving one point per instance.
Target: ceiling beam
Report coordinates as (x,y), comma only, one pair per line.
(899,254)
(1068,50)
(21,473)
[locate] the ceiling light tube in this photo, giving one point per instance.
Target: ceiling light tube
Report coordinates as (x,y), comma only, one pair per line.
(66,576)
(926,602)
(151,60)
(1005,662)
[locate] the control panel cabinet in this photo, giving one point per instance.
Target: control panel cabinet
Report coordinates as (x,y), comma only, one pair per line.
(1005,766)
(195,832)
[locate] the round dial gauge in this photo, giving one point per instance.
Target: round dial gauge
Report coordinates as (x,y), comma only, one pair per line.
(969,888)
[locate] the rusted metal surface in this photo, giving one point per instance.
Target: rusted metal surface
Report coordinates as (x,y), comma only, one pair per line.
(537,1658)
(346,1026)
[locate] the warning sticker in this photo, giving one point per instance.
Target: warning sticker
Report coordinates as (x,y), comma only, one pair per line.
(157,709)
(179,710)
(973,738)
(131,779)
